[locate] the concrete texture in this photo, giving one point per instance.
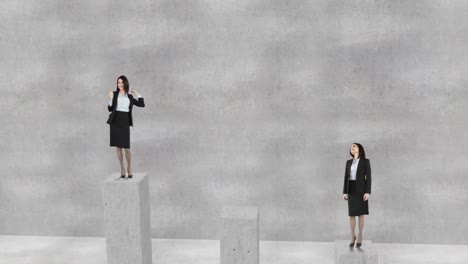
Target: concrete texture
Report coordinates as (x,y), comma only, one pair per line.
(239,240)
(92,250)
(366,254)
(127,219)
(247,102)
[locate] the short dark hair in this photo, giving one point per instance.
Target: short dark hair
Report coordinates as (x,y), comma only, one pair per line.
(126,83)
(362,153)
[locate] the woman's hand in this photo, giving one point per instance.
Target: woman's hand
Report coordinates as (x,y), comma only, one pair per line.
(134,92)
(366,197)
(345,196)
(111,95)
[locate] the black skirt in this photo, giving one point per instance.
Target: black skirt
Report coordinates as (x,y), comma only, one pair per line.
(120,130)
(356,204)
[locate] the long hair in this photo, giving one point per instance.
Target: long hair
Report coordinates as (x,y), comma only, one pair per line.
(362,153)
(126,84)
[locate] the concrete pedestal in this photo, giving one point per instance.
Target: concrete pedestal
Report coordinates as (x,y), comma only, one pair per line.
(239,241)
(127,219)
(344,254)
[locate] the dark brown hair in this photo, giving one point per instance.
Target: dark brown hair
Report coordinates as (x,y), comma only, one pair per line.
(125,81)
(362,153)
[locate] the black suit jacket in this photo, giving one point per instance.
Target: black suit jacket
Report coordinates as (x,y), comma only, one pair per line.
(140,102)
(363,176)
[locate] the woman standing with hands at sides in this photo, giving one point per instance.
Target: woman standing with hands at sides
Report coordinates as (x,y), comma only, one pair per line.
(356,189)
(121,104)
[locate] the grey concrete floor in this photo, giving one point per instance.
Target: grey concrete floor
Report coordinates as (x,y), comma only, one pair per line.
(92,250)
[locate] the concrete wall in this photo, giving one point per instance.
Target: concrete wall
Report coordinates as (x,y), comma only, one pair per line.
(248,103)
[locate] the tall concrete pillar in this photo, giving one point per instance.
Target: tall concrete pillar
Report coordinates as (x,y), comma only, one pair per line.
(239,241)
(127,219)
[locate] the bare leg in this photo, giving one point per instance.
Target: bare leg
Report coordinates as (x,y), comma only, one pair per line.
(361,226)
(352,224)
(120,157)
(128,156)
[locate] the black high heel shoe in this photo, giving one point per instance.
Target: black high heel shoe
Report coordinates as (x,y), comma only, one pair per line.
(358,245)
(130,176)
(352,244)
(122,176)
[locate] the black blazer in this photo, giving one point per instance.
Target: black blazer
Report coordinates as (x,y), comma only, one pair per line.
(363,176)
(140,102)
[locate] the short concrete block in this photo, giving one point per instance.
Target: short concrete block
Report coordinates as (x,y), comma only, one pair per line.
(366,254)
(239,241)
(127,219)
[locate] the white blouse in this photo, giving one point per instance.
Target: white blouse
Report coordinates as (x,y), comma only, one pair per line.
(353,170)
(123,102)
